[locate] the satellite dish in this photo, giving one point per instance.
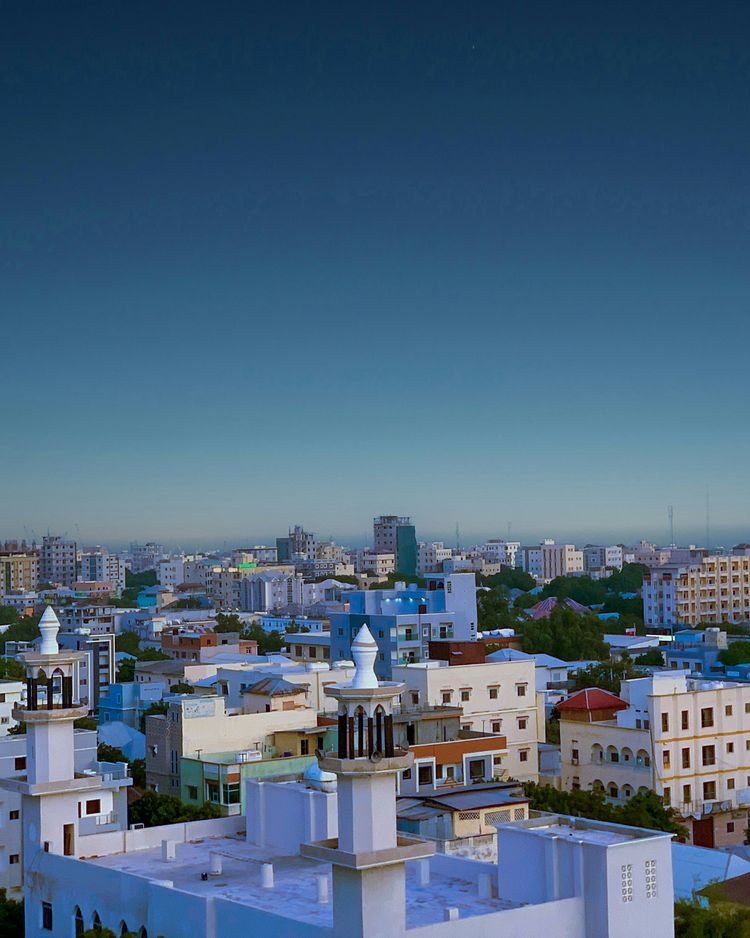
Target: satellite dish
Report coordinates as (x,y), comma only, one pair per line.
(376,756)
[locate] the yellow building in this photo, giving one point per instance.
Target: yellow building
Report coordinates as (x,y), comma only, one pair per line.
(18,573)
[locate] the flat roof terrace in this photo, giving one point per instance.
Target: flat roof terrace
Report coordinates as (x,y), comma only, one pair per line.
(294,893)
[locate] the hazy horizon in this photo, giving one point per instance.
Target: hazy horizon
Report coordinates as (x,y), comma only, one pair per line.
(482,262)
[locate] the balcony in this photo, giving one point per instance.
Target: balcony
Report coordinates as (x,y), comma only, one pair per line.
(98,823)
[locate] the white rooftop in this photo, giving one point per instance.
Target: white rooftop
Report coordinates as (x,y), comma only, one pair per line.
(294,894)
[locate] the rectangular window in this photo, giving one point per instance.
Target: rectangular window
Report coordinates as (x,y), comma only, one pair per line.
(465,694)
(523,723)
(304,747)
(446,696)
(667,796)
(730,784)
(425,775)
(665,758)
(665,722)
(708,754)
(94,806)
(192,791)
(14,858)
(47,916)
(523,755)
(496,726)
(747,707)
(685,721)
(707,717)
(687,794)
(728,710)
(709,791)
(730,747)
(14,815)
(493,693)
(521,690)
(686,758)
(20,763)
(730,827)
(231,793)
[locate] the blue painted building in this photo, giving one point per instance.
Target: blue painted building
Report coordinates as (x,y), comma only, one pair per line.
(404,620)
(126,702)
(697,650)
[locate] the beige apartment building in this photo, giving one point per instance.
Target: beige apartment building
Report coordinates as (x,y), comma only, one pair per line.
(687,739)
(19,573)
(713,590)
(496,697)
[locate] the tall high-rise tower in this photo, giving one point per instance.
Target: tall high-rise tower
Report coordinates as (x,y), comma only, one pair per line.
(368,856)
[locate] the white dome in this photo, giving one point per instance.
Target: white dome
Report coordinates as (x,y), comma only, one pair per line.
(49,626)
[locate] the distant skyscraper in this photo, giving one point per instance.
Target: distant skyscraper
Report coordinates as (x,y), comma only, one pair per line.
(298,542)
(397,535)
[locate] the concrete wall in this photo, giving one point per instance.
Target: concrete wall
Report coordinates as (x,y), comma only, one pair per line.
(284,815)
(97,845)
(563,919)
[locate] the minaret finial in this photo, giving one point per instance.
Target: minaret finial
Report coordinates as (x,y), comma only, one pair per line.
(364,652)
(49,626)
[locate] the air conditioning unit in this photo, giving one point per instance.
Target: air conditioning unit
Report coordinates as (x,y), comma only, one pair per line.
(136,827)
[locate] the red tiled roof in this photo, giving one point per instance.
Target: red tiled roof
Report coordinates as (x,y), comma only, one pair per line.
(544,608)
(592,698)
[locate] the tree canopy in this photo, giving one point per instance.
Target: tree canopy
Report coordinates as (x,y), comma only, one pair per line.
(736,653)
(644,809)
(565,634)
(605,674)
(153,809)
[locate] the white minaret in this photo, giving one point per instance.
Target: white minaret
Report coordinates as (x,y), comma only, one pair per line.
(369,899)
(52,794)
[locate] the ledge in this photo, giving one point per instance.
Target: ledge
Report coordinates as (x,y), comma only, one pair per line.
(407,848)
(362,765)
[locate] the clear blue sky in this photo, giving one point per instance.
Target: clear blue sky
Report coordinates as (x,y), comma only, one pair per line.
(265,263)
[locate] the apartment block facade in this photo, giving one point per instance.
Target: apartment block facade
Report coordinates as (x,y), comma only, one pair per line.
(497,698)
(19,572)
(58,561)
(713,590)
(687,739)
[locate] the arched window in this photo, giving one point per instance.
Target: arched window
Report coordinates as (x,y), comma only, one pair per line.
(612,754)
(612,790)
(627,791)
(57,687)
(96,922)
(379,723)
(597,753)
(124,927)
(597,785)
(627,754)
(359,714)
(78,925)
(142,933)
(643,758)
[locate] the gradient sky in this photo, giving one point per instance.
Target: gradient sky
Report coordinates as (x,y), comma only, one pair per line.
(266,263)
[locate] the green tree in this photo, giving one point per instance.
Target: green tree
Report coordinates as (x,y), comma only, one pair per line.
(153,809)
(8,615)
(736,653)
(25,629)
(129,642)
(181,687)
(140,580)
(627,580)
(228,622)
(11,917)
(493,611)
(105,753)
(651,657)
(509,578)
(565,634)
(11,670)
(691,920)
(606,674)
(582,589)
(161,706)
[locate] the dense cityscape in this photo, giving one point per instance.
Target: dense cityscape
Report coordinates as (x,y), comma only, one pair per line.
(183,726)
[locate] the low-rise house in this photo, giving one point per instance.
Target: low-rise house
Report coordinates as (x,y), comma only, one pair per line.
(463,761)
(308,646)
(128,701)
(11,693)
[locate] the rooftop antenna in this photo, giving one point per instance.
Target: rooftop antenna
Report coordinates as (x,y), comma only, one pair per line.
(458,538)
(708,520)
(670,515)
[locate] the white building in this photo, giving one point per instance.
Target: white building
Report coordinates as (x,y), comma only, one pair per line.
(97,564)
(497,697)
(549,560)
(430,557)
(601,561)
(326,860)
(499,551)
(58,561)
(714,589)
(171,572)
(267,590)
(686,739)
(370,561)
(10,696)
